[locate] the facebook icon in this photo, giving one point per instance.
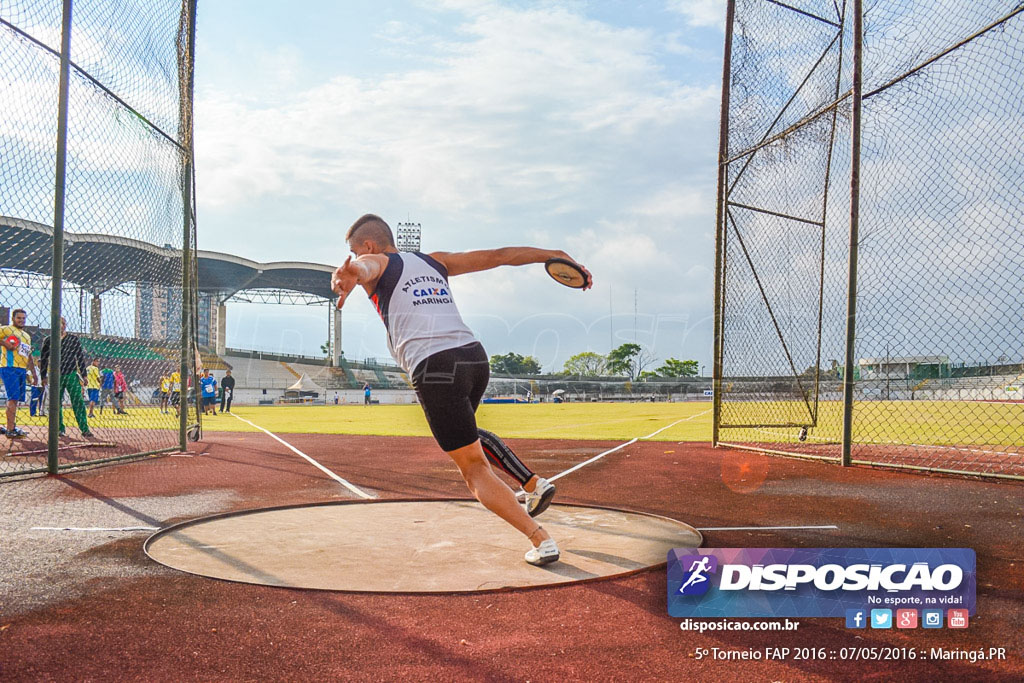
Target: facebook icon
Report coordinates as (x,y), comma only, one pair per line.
(856,618)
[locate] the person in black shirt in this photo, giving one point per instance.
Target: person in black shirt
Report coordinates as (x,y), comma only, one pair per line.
(228,387)
(71,377)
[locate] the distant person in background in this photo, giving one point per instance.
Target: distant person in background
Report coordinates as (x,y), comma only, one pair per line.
(106,388)
(228,387)
(37,402)
(366,394)
(209,390)
(165,394)
(15,364)
(176,392)
(92,385)
(120,390)
(336,398)
(71,376)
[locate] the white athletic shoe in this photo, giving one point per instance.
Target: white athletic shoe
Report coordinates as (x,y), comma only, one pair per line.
(545,553)
(539,499)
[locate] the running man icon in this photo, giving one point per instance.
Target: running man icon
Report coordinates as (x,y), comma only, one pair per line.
(698,575)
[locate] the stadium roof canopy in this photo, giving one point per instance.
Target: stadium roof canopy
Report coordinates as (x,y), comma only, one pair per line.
(98,263)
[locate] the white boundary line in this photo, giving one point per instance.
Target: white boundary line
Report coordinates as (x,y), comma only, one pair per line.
(351,487)
(95,528)
(587,462)
(763,528)
(621,446)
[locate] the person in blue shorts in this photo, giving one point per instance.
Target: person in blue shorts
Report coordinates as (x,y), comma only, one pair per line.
(37,401)
(209,386)
(107,389)
(92,385)
(16,368)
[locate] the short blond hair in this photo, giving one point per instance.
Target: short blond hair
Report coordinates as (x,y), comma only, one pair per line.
(373,227)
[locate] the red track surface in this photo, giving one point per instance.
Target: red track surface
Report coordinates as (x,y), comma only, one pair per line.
(172,626)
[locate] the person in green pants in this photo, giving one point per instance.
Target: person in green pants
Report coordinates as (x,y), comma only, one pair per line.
(72,375)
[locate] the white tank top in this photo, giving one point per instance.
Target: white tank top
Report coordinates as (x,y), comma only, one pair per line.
(416,304)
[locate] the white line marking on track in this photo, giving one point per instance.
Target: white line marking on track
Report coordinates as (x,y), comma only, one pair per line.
(587,462)
(95,528)
(763,528)
(351,487)
(621,446)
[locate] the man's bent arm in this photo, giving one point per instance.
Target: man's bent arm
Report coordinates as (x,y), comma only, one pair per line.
(459,263)
(365,271)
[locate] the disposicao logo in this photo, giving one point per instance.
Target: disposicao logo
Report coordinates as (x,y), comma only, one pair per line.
(818,582)
(696,580)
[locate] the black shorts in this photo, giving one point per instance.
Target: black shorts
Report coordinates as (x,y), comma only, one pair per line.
(449,385)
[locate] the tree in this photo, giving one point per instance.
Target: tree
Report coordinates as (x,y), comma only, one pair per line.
(586,364)
(325,348)
(678,368)
(515,364)
(620,359)
(629,359)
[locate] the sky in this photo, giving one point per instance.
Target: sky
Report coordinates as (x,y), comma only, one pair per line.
(590,127)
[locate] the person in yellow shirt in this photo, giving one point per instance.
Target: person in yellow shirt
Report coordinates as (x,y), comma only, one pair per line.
(92,385)
(176,391)
(165,393)
(16,368)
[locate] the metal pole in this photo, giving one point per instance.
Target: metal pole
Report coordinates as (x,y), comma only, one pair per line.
(57,271)
(185,75)
(851,298)
(723,155)
(184,369)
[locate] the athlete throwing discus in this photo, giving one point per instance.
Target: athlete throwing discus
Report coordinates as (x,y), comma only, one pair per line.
(448,367)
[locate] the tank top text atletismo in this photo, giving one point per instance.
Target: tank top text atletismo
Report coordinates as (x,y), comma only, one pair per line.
(416,304)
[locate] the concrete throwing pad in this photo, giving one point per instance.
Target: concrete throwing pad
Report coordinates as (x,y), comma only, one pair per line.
(413,546)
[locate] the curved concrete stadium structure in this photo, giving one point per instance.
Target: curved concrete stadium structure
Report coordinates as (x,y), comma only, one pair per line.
(98,263)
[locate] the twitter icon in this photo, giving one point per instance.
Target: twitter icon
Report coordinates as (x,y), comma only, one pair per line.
(881,618)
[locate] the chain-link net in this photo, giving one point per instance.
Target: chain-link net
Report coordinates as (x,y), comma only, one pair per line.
(939,352)
(125,222)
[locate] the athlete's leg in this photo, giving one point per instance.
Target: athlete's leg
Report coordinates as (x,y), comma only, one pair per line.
(9,377)
(73,386)
(448,384)
(496,450)
(500,455)
(493,493)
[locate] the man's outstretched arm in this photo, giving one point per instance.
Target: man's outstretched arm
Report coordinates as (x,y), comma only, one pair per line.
(365,270)
(459,263)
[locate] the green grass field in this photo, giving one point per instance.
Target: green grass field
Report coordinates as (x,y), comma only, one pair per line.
(881,422)
(937,423)
(137,418)
(575,421)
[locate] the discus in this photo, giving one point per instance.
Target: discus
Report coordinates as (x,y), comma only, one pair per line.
(13,340)
(567,273)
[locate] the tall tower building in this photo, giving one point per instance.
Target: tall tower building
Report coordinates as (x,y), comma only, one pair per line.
(158,315)
(408,237)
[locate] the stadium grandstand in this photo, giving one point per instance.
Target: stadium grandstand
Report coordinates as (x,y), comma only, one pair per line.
(145,355)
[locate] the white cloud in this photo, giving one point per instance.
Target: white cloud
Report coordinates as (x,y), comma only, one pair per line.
(533,126)
(701,13)
(519,110)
